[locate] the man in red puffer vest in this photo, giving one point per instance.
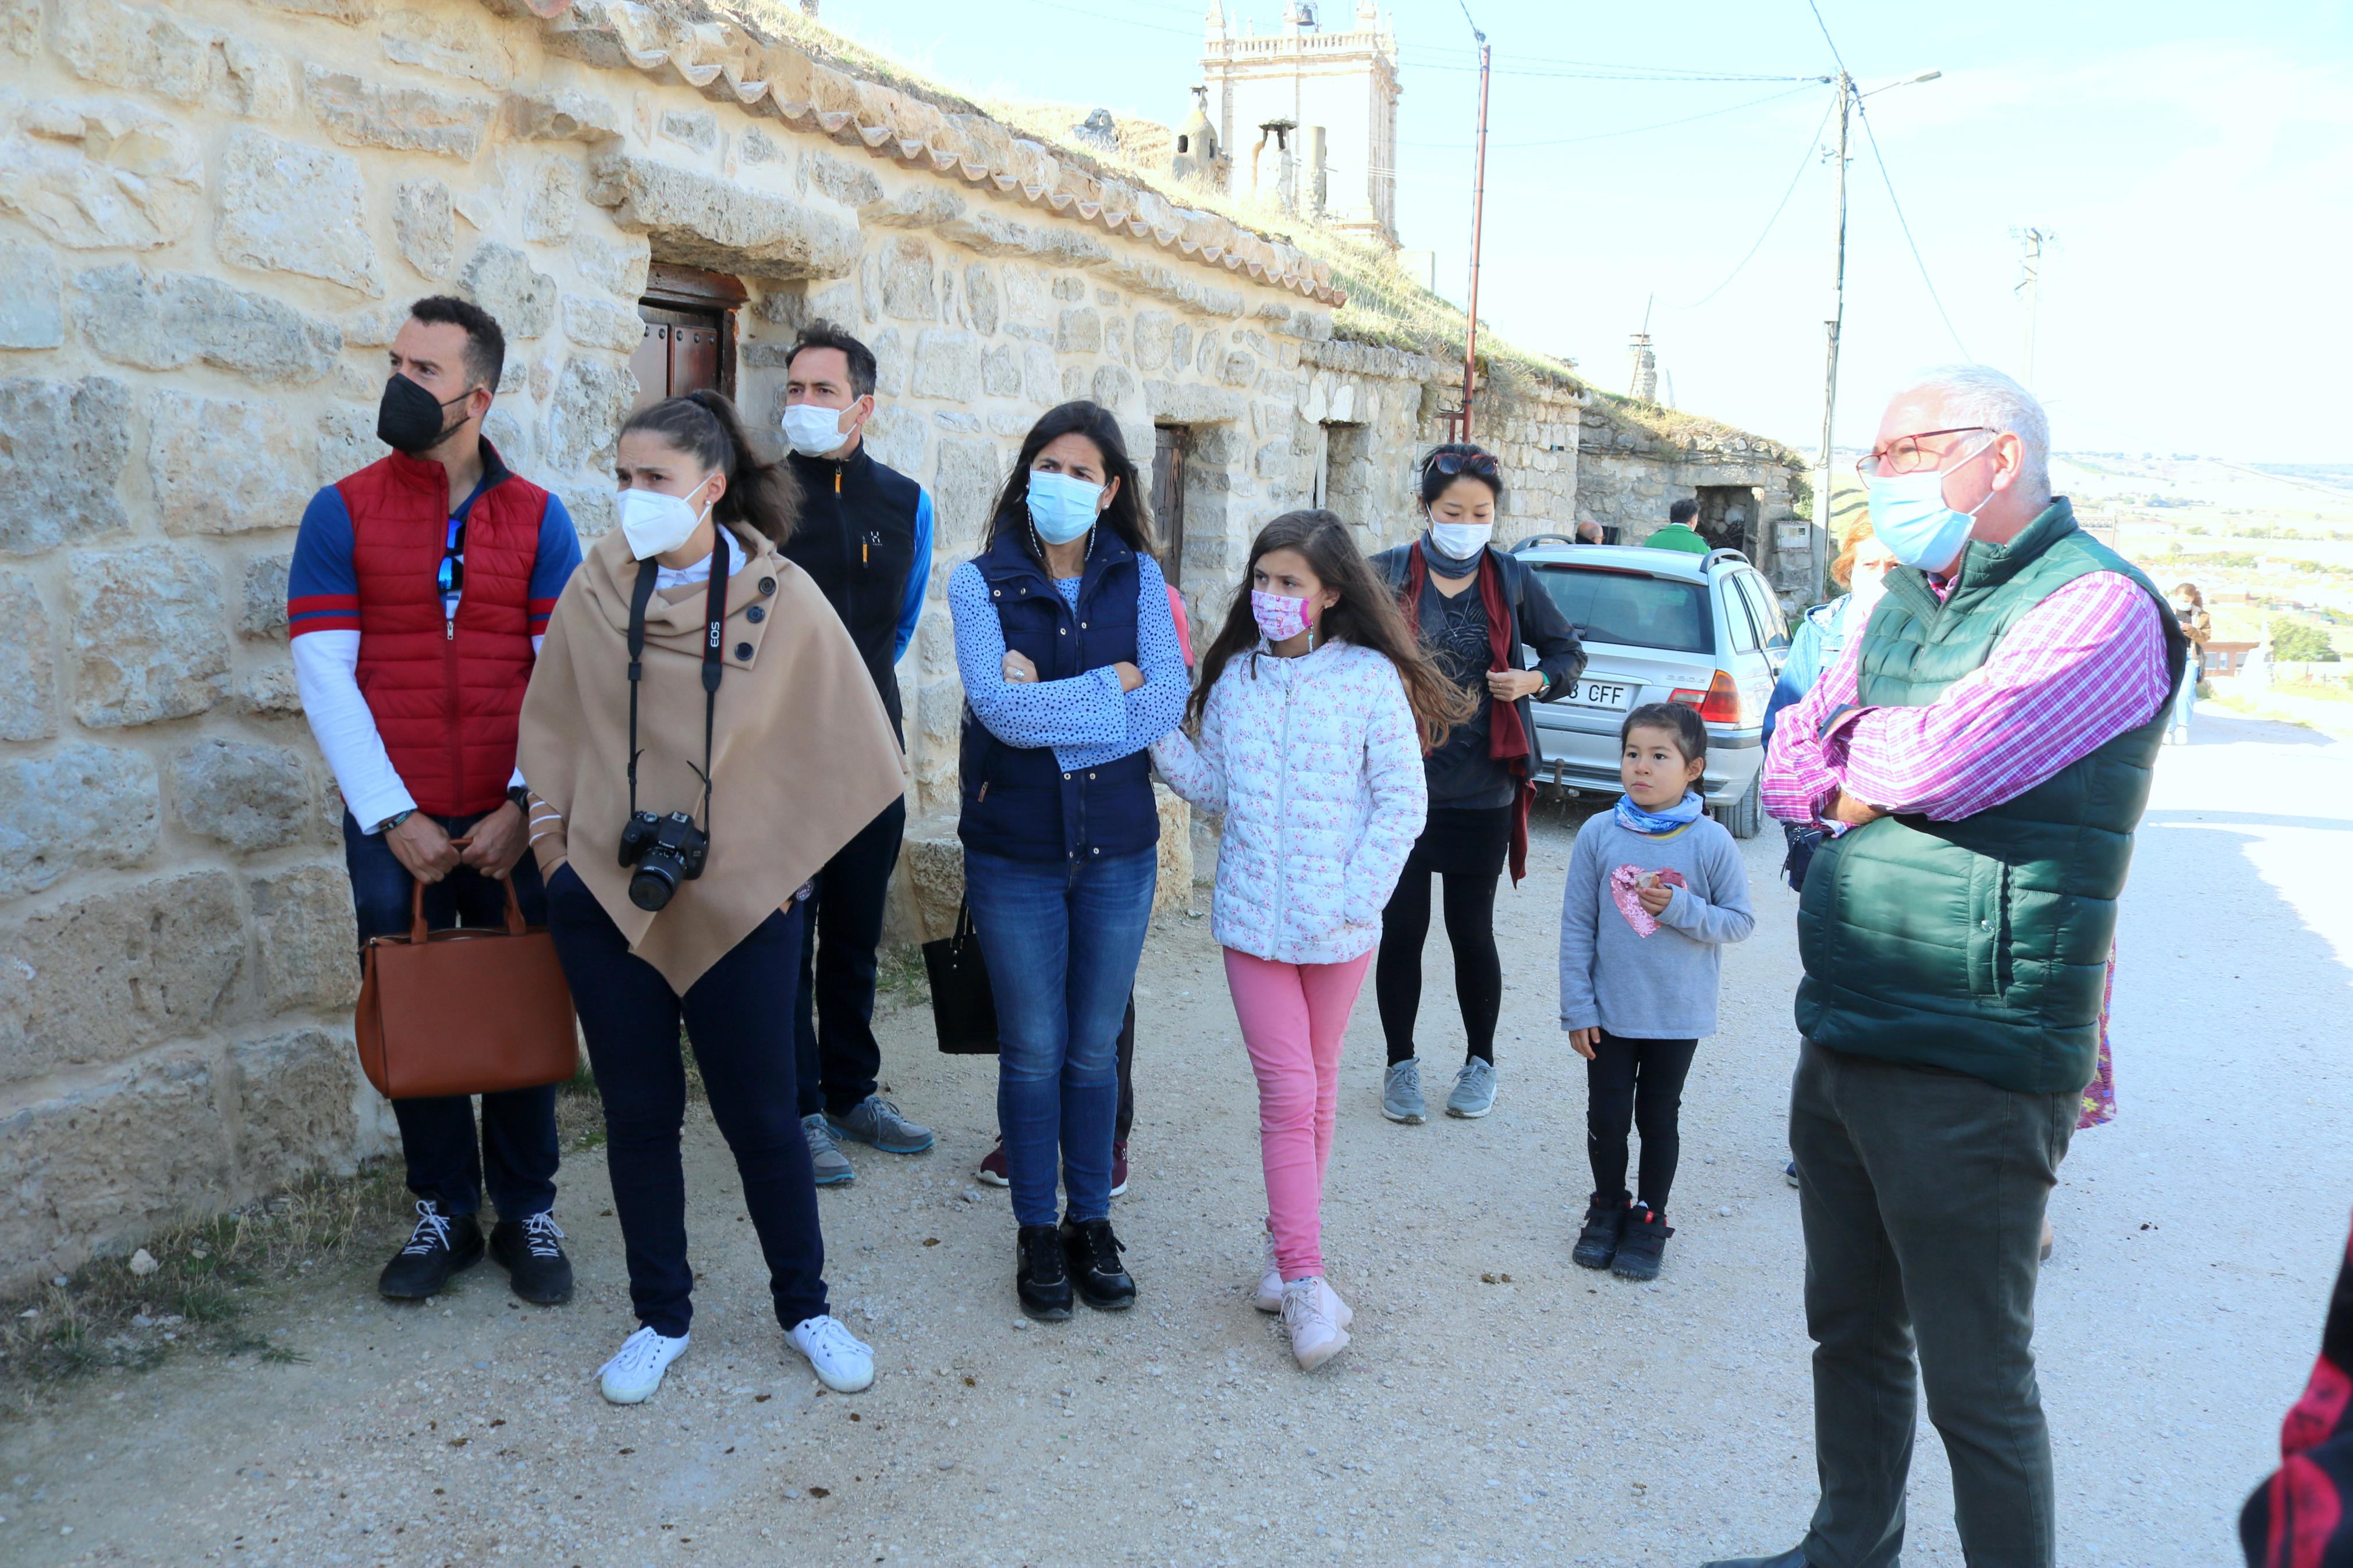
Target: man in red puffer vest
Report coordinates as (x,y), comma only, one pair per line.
(419,591)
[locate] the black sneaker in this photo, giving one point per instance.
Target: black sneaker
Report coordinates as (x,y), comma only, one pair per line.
(1093,1255)
(1643,1245)
(439,1246)
(529,1249)
(1040,1275)
(1596,1244)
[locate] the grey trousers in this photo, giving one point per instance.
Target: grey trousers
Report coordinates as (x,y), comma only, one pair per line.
(1922,1194)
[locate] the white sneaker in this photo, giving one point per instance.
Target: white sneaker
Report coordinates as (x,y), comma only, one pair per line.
(1317,1320)
(1269,1280)
(632,1375)
(843,1363)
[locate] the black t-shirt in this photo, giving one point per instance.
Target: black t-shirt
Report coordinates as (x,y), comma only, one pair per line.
(1462,777)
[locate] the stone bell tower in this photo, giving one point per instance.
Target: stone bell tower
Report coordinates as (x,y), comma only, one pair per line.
(1307,118)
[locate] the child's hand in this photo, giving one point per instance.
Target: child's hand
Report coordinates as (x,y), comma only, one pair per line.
(1655,897)
(1583,1041)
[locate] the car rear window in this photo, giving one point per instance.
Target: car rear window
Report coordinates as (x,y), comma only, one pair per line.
(1631,608)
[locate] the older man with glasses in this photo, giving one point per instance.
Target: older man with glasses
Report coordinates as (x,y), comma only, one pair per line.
(1982,753)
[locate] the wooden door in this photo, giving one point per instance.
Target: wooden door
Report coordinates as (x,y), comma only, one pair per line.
(690,337)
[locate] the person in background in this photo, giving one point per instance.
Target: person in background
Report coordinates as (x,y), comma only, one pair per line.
(1589,532)
(1681,533)
(2301,1515)
(865,537)
(690,668)
(1071,668)
(1314,706)
(1473,607)
(411,672)
(2189,607)
(1655,890)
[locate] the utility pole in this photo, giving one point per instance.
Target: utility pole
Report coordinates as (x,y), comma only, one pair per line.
(2032,242)
(1478,219)
(1819,541)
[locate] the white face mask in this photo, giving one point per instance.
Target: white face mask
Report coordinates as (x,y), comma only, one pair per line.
(813,430)
(656,524)
(1460,541)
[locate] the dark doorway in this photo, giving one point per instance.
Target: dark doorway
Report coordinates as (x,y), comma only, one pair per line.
(690,339)
(1727,518)
(1170,444)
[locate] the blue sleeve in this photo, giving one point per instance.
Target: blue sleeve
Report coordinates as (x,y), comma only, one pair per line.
(559,555)
(322,586)
(1084,710)
(919,577)
(1158,706)
(1798,673)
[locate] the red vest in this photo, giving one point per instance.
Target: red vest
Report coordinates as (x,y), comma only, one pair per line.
(446,694)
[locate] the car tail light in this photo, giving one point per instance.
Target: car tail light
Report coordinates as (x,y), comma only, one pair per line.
(1719,704)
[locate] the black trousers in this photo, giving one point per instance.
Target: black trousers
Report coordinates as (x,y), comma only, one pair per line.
(517,1154)
(1467,849)
(632,1017)
(840,1061)
(1635,1084)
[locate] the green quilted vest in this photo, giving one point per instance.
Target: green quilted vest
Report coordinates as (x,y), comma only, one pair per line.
(1979,946)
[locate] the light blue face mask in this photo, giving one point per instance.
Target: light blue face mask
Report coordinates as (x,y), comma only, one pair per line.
(1062,508)
(1909,516)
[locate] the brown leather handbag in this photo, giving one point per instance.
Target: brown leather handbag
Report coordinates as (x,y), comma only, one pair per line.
(468,1011)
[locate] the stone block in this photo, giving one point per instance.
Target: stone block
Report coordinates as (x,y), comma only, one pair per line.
(351,13)
(453,46)
(110,975)
(425,227)
(295,210)
(20,26)
(100,175)
(1189,402)
(1000,372)
(501,280)
(218,466)
(597,324)
(709,222)
(148,51)
(758,147)
(294,1095)
(31,316)
(267,691)
(1238,370)
(695,128)
(305,937)
(930,883)
(1074,383)
(1079,330)
(616,269)
(150,638)
(591,399)
(896,438)
(104,1160)
(84,805)
(1041,375)
(1152,336)
(890,362)
(263,617)
(563,114)
(980,298)
(245,795)
(1174,895)
(550,200)
(346,443)
(926,206)
(848,183)
(361,113)
(166,321)
(505,430)
(964,491)
(909,290)
(61,445)
(1112,387)
(29,669)
(592,510)
(947,364)
(1070,287)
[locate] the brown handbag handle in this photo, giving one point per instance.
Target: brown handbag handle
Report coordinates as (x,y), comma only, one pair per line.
(516,924)
(416,932)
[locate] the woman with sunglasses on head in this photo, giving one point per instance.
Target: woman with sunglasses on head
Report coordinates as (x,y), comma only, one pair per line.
(700,737)
(1070,667)
(1473,607)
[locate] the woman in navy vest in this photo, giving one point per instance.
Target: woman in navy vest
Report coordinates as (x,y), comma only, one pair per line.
(1071,668)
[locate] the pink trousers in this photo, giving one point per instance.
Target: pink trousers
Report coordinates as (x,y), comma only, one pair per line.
(1293,1018)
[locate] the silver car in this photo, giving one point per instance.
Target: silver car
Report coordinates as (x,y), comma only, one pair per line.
(1661,626)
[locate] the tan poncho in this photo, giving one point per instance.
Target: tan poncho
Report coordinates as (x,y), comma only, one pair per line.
(803,758)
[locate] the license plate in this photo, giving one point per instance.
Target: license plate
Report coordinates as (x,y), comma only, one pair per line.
(1603,694)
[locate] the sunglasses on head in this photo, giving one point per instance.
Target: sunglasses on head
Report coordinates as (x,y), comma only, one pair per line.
(1453,463)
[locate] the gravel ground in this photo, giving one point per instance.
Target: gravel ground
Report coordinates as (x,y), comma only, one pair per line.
(1498,1405)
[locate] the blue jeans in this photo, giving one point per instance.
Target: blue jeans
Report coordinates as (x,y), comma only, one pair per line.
(2186,700)
(518,1149)
(1061,942)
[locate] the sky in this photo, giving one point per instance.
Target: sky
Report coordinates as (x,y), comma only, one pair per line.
(2193,162)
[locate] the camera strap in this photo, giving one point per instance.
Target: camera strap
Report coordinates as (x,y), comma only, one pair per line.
(715,634)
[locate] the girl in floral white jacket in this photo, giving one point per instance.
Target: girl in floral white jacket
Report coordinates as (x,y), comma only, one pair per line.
(1307,731)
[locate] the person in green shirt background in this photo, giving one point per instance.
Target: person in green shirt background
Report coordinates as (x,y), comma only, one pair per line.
(1679,533)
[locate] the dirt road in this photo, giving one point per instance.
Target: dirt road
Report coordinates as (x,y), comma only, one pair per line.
(1548,1417)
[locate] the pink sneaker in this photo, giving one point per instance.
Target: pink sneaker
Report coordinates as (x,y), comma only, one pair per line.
(1119,1167)
(992,1167)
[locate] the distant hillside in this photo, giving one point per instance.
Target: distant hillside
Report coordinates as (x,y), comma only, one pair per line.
(2339,474)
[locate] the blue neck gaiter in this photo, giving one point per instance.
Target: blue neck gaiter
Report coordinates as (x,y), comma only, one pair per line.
(1634,819)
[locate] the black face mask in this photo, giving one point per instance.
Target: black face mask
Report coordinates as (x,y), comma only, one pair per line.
(409,420)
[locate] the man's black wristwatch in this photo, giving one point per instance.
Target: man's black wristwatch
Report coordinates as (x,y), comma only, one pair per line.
(520,797)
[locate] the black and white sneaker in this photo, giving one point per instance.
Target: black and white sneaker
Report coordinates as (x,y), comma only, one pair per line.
(440,1246)
(531,1250)
(1040,1275)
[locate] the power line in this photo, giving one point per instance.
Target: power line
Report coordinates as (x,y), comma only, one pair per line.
(1885,178)
(1805,162)
(1630,131)
(1825,26)
(1627,74)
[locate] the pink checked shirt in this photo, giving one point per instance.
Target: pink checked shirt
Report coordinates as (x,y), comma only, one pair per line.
(2077,671)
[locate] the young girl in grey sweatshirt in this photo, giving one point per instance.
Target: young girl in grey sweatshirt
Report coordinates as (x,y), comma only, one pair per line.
(1655,890)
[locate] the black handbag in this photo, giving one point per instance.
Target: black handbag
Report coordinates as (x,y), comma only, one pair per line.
(963,1007)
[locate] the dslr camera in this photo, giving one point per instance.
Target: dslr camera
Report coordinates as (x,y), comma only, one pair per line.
(666,851)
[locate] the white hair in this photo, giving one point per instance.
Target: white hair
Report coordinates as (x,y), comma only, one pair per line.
(1979,394)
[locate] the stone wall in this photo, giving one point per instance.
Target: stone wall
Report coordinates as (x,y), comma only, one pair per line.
(1629,472)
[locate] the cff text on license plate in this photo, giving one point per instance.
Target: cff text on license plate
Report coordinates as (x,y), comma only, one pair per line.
(1603,694)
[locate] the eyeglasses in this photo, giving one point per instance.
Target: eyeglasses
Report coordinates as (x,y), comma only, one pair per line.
(1904,455)
(453,576)
(1453,463)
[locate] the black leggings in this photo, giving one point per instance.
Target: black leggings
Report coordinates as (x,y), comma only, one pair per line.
(1631,1084)
(1467,849)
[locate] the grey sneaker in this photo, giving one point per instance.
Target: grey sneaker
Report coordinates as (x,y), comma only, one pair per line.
(876,1120)
(1401,1093)
(1474,1089)
(832,1166)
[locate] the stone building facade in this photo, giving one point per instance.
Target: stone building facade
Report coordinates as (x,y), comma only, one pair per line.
(213,214)
(1635,460)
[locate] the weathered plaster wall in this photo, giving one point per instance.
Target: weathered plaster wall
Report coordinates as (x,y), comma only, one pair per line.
(1629,476)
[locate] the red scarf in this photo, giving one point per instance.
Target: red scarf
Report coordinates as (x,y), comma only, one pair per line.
(1507,735)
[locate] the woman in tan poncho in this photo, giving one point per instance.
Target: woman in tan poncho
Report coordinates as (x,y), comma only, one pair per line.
(774,747)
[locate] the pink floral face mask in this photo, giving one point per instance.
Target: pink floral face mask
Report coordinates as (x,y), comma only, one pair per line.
(1278,617)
